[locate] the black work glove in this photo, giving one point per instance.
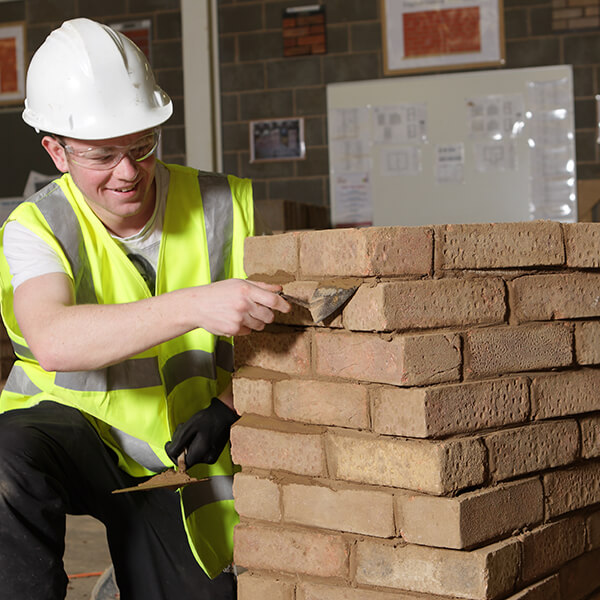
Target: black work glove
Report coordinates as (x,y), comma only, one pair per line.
(203,435)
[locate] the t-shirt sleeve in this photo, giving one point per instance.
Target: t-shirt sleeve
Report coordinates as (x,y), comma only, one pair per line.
(27,255)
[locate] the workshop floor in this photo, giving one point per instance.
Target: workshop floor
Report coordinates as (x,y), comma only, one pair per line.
(86,555)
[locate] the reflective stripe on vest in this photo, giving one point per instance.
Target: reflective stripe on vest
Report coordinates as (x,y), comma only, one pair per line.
(19,383)
(215,489)
(139,450)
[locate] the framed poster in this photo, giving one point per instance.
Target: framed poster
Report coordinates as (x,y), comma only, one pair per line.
(12,63)
(435,35)
(280,139)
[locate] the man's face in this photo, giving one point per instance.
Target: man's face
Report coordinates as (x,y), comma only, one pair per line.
(121,196)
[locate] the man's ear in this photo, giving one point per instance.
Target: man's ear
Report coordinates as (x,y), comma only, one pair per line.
(56,152)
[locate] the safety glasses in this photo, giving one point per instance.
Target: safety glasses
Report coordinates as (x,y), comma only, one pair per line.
(102,158)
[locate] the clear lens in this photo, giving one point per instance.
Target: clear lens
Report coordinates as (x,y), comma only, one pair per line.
(101,159)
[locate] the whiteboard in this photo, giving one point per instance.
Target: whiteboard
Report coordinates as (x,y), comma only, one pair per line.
(476,147)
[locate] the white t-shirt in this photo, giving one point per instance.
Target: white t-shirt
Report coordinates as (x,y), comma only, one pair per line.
(29,256)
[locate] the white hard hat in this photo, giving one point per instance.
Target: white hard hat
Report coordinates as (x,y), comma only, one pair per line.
(89,82)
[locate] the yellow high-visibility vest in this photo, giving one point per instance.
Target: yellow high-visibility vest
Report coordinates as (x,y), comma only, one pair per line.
(136,404)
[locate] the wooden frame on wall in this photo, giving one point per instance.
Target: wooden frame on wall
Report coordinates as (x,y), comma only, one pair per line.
(12,63)
(439,35)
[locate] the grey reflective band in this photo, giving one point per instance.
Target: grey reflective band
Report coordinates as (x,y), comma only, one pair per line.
(217,203)
(22,351)
(224,352)
(61,218)
(18,382)
(139,450)
(191,363)
(214,489)
(130,374)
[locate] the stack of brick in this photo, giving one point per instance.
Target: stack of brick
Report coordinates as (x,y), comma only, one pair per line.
(439,437)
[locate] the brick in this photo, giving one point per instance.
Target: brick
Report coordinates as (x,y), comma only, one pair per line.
(547,589)
(592,525)
(361,511)
(580,577)
(501,245)
(568,393)
(587,349)
(258,587)
(323,403)
(486,573)
(286,351)
(443,410)
(256,497)
(436,468)
(557,296)
(406,360)
(472,518)
(590,436)
(253,392)
(366,252)
(256,442)
(274,255)
(532,448)
(290,551)
(316,591)
(497,350)
(426,304)
(571,489)
(548,547)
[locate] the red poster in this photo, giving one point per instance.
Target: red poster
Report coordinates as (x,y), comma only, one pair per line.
(8,66)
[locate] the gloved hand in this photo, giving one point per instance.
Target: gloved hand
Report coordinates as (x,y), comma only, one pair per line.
(204,434)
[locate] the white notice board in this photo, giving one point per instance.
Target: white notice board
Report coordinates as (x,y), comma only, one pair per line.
(476,147)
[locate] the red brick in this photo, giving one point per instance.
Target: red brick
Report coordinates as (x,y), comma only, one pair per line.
(582,242)
(472,518)
(487,573)
(263,444)
(501,245)
(277,350)
(556,296)
(272,255)
(431,467)
(443,410)
(570,489)
(361,511)
(531,448)
(256,497)
(567,393)
(323,403)
(298,551)
(367,252)
(259,587)
(406,360)
(426,304)
(497,350)
(550,546)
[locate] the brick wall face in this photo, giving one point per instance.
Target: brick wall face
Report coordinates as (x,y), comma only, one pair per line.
(436,438)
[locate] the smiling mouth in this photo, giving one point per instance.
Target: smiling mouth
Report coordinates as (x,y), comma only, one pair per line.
(125,189)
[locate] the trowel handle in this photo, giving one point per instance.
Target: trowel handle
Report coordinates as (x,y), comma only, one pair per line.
(181,462)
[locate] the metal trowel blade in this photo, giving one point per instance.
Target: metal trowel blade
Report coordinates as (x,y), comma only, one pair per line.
(327,299)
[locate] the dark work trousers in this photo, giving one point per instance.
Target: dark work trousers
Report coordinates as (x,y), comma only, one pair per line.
(53,463)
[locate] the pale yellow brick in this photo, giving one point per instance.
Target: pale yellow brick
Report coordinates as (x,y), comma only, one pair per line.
(582,240)
(570,489)
(273,255)
(317,591)
(568,393)
(493,351)
(253,392)
(556,296)
(501,245)
(260,587)
(486,573)
(426,304)
(256,497)
(547,589)
(530,448)
(587,348)
(550,546)
(432,467)
(442,410)
(323,402)
(590,436)
(362,511)
(472,518)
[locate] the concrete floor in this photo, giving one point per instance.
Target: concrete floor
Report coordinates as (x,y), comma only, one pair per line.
(86,553)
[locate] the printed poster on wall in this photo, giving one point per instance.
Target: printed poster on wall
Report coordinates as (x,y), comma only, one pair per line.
(426,35)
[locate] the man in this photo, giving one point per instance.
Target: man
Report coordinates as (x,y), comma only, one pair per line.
(122,283)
